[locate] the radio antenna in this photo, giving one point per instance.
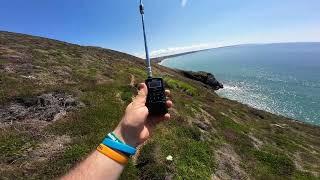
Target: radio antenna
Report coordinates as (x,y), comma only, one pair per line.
(149,70)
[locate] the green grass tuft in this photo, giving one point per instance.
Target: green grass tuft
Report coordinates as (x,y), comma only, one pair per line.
(194,161)
(180,85)
(141,73)
(227,123)
(149,163)
(13,145)
(299,175)
(191,132)
(278,164)
(86,127)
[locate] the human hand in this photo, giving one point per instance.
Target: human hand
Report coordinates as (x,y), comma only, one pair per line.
(136,125)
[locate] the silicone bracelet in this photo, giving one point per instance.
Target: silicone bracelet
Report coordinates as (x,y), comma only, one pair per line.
(112,137)
(118,146)
(115,138)
(112,154)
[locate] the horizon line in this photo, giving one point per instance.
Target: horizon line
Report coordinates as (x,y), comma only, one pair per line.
(141,55)
(225,46)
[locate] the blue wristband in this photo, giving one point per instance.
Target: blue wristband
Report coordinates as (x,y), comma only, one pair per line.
(115,138)
(112,137)
(118,146)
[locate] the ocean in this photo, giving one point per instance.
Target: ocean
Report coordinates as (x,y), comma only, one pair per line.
(281,78)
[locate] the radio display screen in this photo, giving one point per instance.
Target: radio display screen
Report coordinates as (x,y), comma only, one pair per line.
(154,84)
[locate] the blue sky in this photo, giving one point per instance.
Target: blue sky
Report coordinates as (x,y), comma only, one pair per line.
(172,25)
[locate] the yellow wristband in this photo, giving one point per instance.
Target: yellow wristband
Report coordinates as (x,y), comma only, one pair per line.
(112,154)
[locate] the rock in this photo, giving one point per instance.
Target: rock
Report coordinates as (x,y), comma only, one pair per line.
(13,112)
(27,101)
(257,113)
(59,115)
(50,113)
(70,102)
(204,77)
(45,107)
(203,125)
(9,69)
(17,111)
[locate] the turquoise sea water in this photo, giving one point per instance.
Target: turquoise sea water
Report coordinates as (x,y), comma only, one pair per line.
(280,78)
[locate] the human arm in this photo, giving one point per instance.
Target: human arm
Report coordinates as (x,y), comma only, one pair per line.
(135,127)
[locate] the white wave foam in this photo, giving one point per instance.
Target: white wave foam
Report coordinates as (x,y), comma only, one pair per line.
(232,88)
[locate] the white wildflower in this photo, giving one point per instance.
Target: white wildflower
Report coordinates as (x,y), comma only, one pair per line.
(169,158)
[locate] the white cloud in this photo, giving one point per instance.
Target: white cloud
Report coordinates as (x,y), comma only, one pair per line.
(184,3)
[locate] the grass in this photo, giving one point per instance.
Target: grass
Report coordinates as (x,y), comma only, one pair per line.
(104,111)
(141,73)
(227,123)
(299,175)
(283,140)
(12,86)
(149,164)
(277,164)
(180,85)
(194,161)
(12,146)
(130,172)
(86,128)
(189,132)
(3,62)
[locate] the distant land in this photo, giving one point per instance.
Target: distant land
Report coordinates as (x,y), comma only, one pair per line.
(161,58)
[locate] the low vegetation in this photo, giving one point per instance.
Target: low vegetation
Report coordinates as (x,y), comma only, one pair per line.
(180,85)
(208,137)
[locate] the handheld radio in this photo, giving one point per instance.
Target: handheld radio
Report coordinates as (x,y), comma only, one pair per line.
(156,98)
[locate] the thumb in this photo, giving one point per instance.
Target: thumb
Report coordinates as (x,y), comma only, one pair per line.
(142,93)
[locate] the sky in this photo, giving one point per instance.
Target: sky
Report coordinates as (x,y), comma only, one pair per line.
(172,25)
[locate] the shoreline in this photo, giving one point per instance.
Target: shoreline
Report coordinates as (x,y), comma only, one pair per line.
(251,105)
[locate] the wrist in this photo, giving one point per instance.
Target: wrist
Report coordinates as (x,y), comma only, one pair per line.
(124,137)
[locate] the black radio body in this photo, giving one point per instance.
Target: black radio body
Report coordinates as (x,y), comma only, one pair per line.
(156,98)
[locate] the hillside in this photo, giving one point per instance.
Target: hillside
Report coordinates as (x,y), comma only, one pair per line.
(58,101)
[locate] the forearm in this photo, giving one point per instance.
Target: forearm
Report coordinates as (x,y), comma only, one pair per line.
(107,162)
(96,166)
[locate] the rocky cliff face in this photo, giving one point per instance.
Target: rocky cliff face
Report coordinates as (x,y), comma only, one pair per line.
(204,77)
(58,100)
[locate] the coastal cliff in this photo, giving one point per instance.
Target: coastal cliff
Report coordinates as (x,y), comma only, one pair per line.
(58,100)
(204,77)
